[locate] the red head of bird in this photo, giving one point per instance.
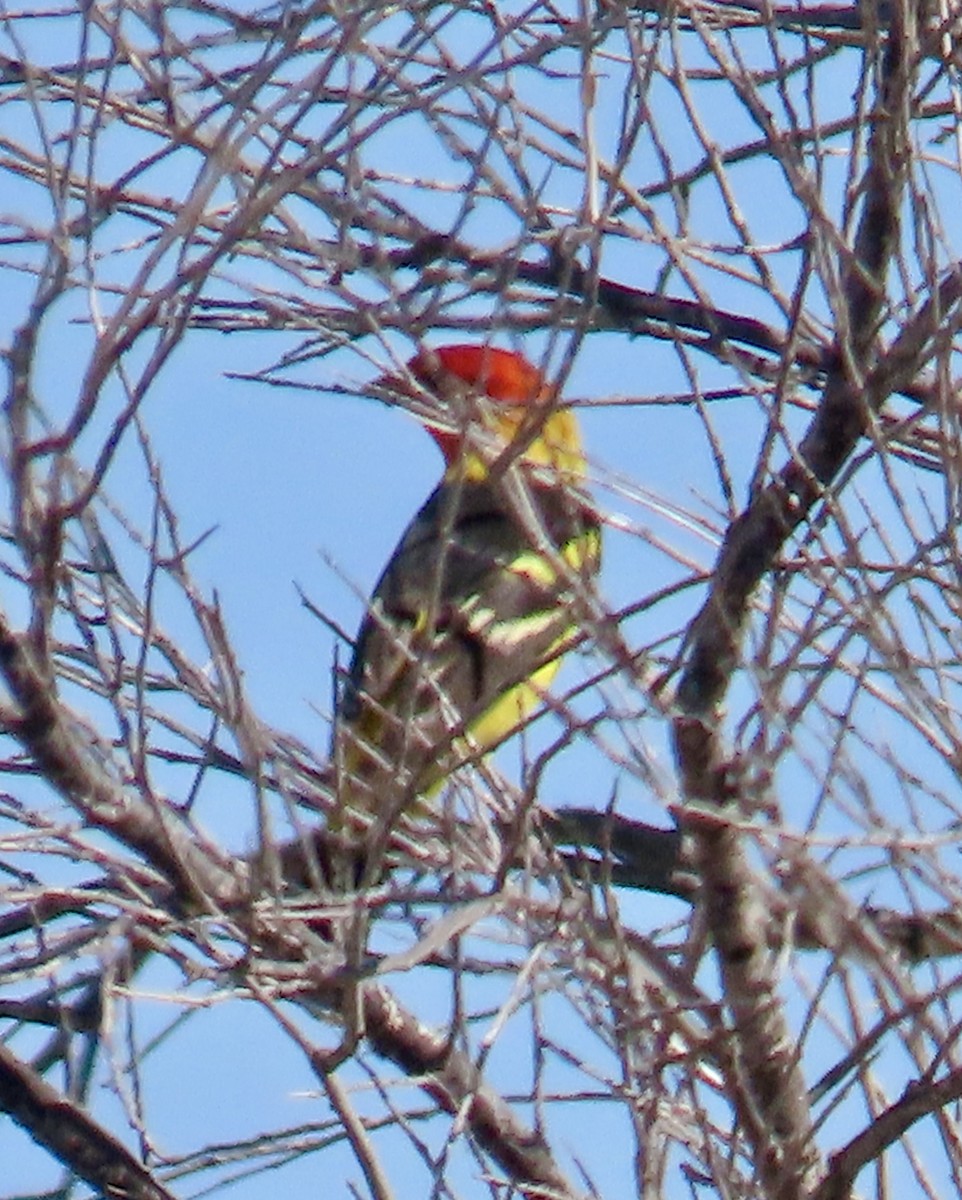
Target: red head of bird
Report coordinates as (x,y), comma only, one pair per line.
(492,402)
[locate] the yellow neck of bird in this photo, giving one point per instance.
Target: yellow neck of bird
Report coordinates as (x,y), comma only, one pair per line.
(555,446)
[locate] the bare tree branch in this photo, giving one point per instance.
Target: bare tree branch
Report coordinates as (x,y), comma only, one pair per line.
(726,234)
(66,1130)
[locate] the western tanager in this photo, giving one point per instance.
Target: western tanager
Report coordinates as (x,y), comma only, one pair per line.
(466,623)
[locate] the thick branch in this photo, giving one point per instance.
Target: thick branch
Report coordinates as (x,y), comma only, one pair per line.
(71,1135)
(733,896)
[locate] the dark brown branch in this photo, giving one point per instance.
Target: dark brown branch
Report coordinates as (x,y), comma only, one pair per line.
(920,1100)
(608,848)
(623,853)
(73,1137)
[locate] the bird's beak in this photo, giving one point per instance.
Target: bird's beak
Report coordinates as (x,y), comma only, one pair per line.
(405,391)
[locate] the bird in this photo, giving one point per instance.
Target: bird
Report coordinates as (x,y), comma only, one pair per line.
(469,620)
